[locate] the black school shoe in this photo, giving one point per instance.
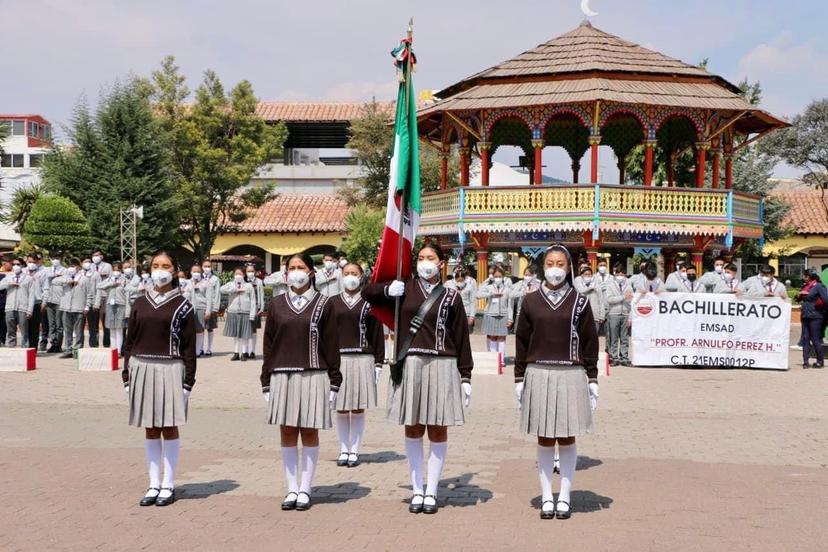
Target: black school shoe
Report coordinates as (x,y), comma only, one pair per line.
(302,506)
(289,503)
(415,508)
(548,514)
(566,514)
(235,356)
(430,508)
(342,461)
(251,356)
(149,500)
(243,358)
(165,501)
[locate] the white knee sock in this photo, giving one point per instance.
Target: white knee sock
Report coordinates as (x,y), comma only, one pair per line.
(343,430)
(357,429)
(210,341)
(436,459)
(170,453)
(309,457)
(388,349)
(490,346)
(290,460)
(546,464)
(569,459)
(117,338)
(236,342)
(153,450)
(501,348)
(414,452)
(243,346)
(199,343)
(251,347)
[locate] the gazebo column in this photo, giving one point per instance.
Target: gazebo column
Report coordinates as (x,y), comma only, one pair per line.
(444,159)
(594,142)
(716,167)
(592,258)
(483,148)
(537,145)
(464,166)
(697,258)
(482,265)
(649,151)
(701,162)
(728,170)
(576,169)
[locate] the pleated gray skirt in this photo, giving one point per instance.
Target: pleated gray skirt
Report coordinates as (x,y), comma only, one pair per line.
(115,317)
(300,399)
(358,390)
(156,392)
(495,326)
(237,325)
(429,393)
(555,401)
(201,324)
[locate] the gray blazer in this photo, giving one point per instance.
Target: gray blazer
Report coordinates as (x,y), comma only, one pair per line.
(498,299)
(241,298)
(78,291)
(617,304)
(20,296)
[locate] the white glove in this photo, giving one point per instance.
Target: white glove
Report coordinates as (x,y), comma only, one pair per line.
(467,392)
(519,392)
(593,396)
(332,400)
(396,289)
(266,396)
(126,390)
(186,397)
(377,374)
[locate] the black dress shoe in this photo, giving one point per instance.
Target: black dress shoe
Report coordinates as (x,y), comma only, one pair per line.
(165,500)
(235,356)
(566,514)
(200,354)
(547,514)
(353,460)
(415,508)
(289,503)
(251,356)
(302,506)
(66,355)
(342,461)
(243,358)
(150,500)
(209,353)
(430,508)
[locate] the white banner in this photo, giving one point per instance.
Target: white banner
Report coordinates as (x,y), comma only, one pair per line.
(710,329)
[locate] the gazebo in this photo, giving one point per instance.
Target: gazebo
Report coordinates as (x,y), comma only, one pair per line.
(584,89)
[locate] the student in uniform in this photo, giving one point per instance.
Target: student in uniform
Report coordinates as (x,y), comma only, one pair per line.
(556,374)
(618,295)
(240,312)
(183,283)
(730,282)
(200,294)
(97,316)
(277,282)
(115,318)
(300,374)
(259,300)
(5,270)
(764,284)
(329,277)
(462,283)
(131,281)
(436,375)
(20,300)
(34,266)
(711,279)
(648,282)
(159,374)
(52,294)
(497,316)
(691,283)
(588,286)
(529,284)
(78,293)
(676,278)
(362,349)
(638,278)
(211,314)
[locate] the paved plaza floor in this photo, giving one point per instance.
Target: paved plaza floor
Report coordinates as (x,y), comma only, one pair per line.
(680,460)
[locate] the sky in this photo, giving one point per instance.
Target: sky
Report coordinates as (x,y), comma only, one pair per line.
(54,51)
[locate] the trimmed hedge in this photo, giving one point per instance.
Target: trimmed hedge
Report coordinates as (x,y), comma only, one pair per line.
(56,223)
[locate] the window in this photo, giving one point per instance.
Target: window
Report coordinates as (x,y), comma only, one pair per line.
(12,160)
(35,160)
(18,128)
(33,129)
(47,132)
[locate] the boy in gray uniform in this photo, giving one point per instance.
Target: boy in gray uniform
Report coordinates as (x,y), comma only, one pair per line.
(618,294)
(52,294)
(78,295)
(329,277)
(20,299)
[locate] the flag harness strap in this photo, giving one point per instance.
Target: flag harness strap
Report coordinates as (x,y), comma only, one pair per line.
(416,324)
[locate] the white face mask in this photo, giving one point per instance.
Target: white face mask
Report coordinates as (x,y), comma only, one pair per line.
(196,276)
(17,269)
(71,271)
(116,274)
(87,265)
(238,278)
(461,285)
(528,279)
(128,272)
(602,270)
(498,280)
(297,279)
(55,262)
(329,265)
(555,275)
(251,275)
(728,277)
(718,269)
(32,267)
(587,280)
(97,259)
(766,280)
(620,278)
(350,282)
(343,263)
(161,278)
(427,269)
(207,270)
(683,275)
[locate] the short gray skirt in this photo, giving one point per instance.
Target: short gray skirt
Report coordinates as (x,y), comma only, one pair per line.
(555,401)
(429,393)
(237,325)
(115,317)
(495,326)
(156,392)
(358,390)
(201,324)
(300,399)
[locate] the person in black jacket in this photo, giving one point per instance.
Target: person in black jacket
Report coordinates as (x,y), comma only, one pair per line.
(814,297)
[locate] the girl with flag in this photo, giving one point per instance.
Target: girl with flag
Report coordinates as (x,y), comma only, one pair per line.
(556,374)
(362,349)
(428,395)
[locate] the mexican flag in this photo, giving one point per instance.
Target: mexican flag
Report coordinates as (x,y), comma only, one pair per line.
(403,209)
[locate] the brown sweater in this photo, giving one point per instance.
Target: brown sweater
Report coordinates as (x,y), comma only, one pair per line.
(556,334)
(165,330)
(445,330)
(295,341)
(359,332)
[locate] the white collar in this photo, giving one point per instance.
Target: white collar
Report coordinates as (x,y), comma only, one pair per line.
(309,293)
(349,299)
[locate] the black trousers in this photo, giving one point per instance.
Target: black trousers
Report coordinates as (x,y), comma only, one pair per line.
(95,318)
(34,327)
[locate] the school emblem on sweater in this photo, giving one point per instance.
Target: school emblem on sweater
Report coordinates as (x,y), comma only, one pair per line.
(645,306)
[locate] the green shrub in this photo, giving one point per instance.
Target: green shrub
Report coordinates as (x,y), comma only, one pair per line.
(55,223)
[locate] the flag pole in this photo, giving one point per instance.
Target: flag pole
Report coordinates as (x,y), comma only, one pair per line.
(403,200)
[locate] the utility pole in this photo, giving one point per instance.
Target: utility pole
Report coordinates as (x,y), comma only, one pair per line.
(129,232)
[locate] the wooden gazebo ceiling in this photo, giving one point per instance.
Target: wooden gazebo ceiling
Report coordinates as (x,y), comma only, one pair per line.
(587,65)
